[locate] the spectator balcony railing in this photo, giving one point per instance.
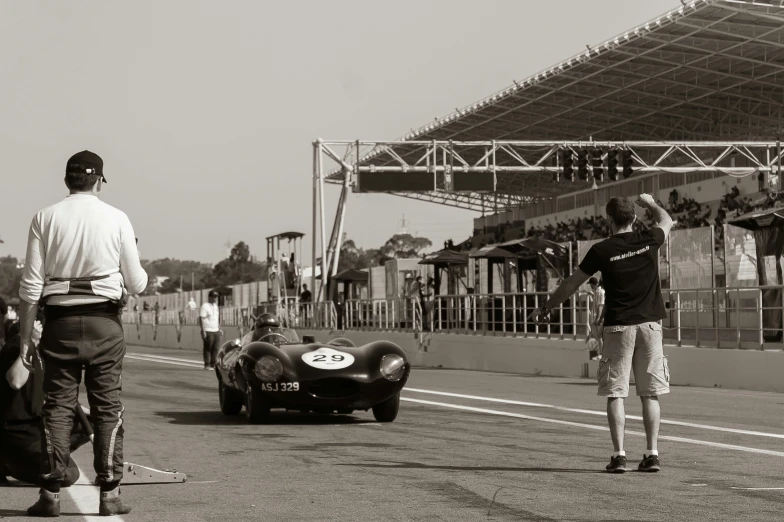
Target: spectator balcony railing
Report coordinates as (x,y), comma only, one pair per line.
(700,317)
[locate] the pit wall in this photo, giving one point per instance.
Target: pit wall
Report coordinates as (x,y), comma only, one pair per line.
(705,367)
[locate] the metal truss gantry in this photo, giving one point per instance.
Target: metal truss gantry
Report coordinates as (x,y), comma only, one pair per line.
(522,171)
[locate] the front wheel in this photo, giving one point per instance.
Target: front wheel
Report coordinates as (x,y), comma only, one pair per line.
(230,399)
(257,407)
(387,410)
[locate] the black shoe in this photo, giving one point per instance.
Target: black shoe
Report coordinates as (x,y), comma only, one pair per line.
(48,505)
(112,504)
(650,463)
(617,465)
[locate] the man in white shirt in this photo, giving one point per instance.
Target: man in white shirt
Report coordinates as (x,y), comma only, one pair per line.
(596,319)
(192,304)
(209,320)
(81,264)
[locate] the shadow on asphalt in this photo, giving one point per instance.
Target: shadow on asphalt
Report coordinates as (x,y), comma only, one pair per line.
(419,465)
(277,418)
(23,513)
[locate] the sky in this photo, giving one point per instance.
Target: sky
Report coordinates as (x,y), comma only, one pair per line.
(205,112)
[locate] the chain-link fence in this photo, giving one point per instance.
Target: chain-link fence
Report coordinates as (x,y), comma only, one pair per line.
(691,258)
(740,259)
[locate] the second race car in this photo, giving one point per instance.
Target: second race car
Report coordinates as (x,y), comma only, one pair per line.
(270,367)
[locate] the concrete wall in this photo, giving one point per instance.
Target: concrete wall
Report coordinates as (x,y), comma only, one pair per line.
(707,367)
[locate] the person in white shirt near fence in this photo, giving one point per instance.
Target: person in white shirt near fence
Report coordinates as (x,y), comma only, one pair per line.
(595,319)
(209,320)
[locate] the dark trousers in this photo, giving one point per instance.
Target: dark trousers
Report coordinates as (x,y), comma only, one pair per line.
(88,338)
(20,454)
(211,345)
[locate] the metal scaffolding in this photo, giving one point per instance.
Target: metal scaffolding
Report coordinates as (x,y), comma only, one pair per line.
(524,160)
(698,89)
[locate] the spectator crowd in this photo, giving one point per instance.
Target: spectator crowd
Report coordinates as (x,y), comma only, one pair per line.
(686,213)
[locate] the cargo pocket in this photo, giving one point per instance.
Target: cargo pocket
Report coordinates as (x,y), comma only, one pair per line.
(612,329)
(603,373)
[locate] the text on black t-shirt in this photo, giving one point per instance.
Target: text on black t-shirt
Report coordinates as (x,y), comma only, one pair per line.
(629,266)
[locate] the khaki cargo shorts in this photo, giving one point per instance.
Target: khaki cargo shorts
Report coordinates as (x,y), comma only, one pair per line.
(636,347)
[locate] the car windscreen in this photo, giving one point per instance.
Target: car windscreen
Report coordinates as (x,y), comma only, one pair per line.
(291,335)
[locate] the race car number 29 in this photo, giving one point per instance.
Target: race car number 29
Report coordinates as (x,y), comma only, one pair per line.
(328,359)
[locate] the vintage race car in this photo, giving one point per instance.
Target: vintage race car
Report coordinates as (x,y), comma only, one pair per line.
(270,367)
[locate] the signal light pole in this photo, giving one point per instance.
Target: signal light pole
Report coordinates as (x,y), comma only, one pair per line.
(612,164)
(567,159)
(626,161)
(582,164)
(597,162)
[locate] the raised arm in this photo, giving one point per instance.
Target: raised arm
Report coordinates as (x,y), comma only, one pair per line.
(660,216)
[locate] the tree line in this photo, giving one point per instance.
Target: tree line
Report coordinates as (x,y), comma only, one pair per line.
(239,267)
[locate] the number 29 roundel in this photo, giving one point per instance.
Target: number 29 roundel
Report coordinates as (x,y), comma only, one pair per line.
(328,359)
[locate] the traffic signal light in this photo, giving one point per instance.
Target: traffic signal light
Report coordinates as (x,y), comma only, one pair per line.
(626,161)
(598,164)
(612,164)
(567,160)
(582,164)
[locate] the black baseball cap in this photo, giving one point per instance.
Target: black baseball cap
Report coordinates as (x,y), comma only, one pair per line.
(85,162)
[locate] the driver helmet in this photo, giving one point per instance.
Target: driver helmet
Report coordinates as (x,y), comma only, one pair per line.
(269,322)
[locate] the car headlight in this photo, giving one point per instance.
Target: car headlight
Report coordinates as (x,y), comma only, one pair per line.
(392,367)
(268,369)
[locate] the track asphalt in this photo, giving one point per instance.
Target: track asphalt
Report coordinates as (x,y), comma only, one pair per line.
(465,446)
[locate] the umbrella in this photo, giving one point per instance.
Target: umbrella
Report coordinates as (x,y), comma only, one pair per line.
(351,275)
(492,252)
(531,246)
(445,257)
(761,219)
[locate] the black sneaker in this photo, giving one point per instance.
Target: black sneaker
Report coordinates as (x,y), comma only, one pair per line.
(617,465)
(650,463)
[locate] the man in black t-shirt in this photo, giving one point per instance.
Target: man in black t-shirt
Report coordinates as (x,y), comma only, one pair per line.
(632,336)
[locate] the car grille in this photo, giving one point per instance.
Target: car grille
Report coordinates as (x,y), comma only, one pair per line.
(333,388)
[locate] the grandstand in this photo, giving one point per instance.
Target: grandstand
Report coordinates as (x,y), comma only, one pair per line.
(708,70)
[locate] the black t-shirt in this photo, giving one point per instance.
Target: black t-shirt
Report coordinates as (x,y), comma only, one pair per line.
(305,297)
(630,276)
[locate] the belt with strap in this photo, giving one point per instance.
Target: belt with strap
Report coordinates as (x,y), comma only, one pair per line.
(83,287)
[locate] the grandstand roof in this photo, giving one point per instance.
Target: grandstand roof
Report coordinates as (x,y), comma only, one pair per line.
(707,70)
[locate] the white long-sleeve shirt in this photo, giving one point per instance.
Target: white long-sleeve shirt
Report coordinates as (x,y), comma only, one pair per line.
(81,236)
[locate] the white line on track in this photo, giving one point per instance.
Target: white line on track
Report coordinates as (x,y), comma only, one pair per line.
(596,412)
(595,427)
(164,361)
(192,364)
(165,358)
(759,489)
(86,497)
